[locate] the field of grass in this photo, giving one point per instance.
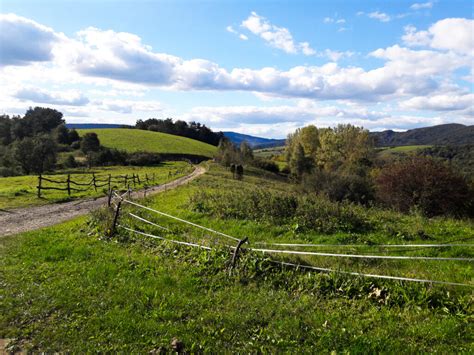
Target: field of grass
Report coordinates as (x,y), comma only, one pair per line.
(20,191)
(406,149)
(269,152)
(67,288)
(134,140)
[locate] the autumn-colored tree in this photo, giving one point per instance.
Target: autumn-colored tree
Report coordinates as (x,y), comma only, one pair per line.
(425,184)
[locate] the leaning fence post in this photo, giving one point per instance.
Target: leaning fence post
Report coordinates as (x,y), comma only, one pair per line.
(94,182)
(236,252)
(114,225)
(39,185)
(68,184)
(109,197)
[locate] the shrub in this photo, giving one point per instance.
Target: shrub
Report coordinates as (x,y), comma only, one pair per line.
(339,186)
(424,184)
(307,212)
(143,159)
(70,162)
(266,164)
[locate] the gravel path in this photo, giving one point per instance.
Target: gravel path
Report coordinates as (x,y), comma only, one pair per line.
(30,218)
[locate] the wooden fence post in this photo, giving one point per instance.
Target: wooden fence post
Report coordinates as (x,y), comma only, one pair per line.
(125,181)
(134,181)
(114,225)
(236,252)
(109,183)
(94,182)
(146,178)
(138,179)
(109,197)
(129,191)
(68,184)
(39,185)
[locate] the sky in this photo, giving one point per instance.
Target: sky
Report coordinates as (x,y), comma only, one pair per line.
(256,67)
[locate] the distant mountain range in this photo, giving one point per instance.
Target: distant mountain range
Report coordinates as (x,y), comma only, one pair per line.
(254,142)
(445,134)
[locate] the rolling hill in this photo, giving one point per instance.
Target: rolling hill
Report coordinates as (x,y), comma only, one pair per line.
(134,140)
(95,125)
(446,134)
(254,142)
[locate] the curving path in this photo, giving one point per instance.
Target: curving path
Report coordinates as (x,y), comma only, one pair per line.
(30,218)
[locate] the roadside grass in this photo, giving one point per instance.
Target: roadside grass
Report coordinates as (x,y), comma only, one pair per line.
(21,191)
(67,288)
(135,140)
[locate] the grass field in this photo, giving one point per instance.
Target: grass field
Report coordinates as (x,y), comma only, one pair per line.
(66,288)
(134,140)
(20,191)
(269,152)
(406,149)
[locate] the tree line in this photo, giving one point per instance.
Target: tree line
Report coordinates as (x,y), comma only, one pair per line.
(193,130)
(31,144)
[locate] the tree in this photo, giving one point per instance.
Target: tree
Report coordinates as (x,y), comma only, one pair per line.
(246,152)
(426,184)
(35,155)
(298,162)
(90,143)
(62,134)
(73,136)
(5,130)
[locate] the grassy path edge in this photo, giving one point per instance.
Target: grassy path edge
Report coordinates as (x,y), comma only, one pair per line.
(26,219)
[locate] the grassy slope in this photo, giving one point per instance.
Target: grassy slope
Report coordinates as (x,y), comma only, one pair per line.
(65,289)
(133,140)
(20,191)
(406,149)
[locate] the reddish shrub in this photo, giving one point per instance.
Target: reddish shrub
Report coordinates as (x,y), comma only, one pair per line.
(426,184)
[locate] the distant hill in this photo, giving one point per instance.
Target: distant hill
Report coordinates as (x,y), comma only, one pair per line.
(254,142)
(134,140)
(446,134)
(95,125)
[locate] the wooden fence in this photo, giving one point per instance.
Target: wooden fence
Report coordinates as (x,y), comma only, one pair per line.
(95,182)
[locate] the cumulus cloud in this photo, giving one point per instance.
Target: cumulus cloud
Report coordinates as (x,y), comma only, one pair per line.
(277,37)
(70,98)
(381,16)
(422,5)
(456,34)
(105,58)
(445,102)
(23,41)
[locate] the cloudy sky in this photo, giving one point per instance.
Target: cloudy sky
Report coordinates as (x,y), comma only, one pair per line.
(262,68)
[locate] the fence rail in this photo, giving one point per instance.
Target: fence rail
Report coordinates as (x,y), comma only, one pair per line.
(95,182)
(236,249)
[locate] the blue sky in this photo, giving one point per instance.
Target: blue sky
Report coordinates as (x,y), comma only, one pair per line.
(262,68)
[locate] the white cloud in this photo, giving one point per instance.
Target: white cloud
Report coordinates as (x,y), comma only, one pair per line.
(456,34)
(277,37)
(231,30)
(37,95)
(445,102)
(422,5)
(243,37)
(381,16)
(23,41)
(120,61)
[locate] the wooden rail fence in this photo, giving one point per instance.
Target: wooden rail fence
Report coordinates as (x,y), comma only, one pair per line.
(95,182)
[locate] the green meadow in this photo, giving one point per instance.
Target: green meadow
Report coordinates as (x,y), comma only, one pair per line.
(135,140)
(71,288)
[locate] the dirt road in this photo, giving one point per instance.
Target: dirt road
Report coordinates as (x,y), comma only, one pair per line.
(30,218)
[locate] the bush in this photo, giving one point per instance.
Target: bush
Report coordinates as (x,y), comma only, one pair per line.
(70,162)
(266,164)
(306,212)
(339,186)
(4,171)
(427,185)
(107,156)
(143,159)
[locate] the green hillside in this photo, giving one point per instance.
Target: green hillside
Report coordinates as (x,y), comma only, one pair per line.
(133,140)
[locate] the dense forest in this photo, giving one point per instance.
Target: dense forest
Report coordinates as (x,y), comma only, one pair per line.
(194,130)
